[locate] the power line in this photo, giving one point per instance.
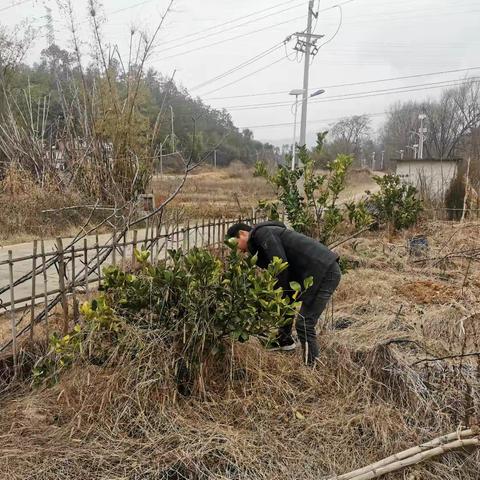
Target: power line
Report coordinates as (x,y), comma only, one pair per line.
(230,28)
(374,93)
(232,38)
(248,75)
(229,22)
(240,66)
(351,84)
(250,33)
(320,120)
(14,5)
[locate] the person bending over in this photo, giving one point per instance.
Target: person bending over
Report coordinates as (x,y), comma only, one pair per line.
(306,257)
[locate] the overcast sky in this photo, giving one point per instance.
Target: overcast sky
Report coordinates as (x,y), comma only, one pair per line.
(377,39)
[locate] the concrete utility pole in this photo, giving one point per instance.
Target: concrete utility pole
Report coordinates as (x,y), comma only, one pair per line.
(306,43)
(422,132)
(383,160)
(215,158)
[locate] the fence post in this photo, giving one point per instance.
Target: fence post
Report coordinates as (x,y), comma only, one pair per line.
(97,251)
(208,232)
(196,233)
(61,283)
(134,247)
(34,287)
(177,228)
(12,313)
(147,224)
(165,243)
(45,286)
(85,273)
(74,291)
(188,235)
(114,247)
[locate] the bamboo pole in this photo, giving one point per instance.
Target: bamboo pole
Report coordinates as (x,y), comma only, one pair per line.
(147,229)
(114,247)
(97,248)
(166,242)
(74,289)
(419,457)
(12,312)
(196,233)
(61,283)
(34,287)
(134,247)
(45,286)
(398,457)
(85,261)
(188,236)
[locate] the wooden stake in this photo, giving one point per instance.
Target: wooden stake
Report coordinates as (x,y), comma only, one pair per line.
(45,286)
(85,273)
(74,289)
(134,247)
(61,283)
(97,251)
(12,313)
(114,247)
(34,288)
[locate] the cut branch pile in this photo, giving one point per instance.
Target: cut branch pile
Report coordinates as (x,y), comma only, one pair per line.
(444,444)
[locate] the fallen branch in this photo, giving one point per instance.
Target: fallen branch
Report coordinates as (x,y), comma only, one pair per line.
(446,357)
(335,245)
(413,455)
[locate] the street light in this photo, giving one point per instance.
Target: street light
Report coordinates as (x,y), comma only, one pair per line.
(297,93)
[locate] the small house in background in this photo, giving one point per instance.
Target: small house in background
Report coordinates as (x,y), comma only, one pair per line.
(431,176)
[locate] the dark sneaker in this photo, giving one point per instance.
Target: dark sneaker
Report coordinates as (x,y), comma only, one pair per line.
(282,344)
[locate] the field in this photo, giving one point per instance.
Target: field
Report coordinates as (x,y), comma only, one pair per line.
(207,193)
(265,415)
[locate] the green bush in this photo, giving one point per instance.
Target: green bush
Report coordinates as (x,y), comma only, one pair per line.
(396,204)
(195,301)
(314,211)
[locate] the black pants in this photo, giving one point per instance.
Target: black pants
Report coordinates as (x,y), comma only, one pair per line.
(313,306)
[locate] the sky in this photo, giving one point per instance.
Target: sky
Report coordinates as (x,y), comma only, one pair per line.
(365,41)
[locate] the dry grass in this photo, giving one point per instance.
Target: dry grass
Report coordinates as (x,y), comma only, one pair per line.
(261,415)
(209,193)
(22,202)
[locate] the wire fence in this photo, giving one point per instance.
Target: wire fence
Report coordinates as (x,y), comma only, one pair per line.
(49,278)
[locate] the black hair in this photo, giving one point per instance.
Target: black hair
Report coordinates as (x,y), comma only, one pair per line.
(234,230)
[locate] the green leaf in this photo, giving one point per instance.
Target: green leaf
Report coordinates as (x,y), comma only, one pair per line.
(295,286)
(308,282)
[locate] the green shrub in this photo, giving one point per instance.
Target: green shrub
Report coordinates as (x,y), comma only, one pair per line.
(196,302)
(314,211)
(396,204)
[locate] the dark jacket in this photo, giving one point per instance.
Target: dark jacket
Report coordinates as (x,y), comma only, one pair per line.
(305,256)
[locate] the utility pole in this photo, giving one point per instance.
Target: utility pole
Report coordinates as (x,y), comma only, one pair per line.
(215,158)
(306,43)
(383,160)
(422,132)
(373,161)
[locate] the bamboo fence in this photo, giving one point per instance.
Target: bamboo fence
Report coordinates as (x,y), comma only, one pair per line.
(40,282)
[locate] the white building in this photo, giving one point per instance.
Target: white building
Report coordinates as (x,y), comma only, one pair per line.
(430,176)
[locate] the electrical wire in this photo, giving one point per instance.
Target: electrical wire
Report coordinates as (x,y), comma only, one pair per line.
(320,120)
(357,95)
(240,66)
(8,7)
(246,76)
(230,28)
(232,38)
(228,22)
(351,84)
